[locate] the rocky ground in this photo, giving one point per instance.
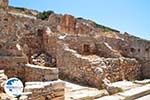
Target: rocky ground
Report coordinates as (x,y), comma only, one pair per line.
(139,90)
(121,90)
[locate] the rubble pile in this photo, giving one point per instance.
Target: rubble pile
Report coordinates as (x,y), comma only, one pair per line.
(43,60)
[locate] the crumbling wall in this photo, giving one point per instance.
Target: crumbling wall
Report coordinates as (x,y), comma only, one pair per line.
(39,73)
(4,4)
(20,38)
(39,89)
(46,90)
(145,69)
(91,55)
(139,49)
(70,25)
(29,33)
(92,70)
(84,45)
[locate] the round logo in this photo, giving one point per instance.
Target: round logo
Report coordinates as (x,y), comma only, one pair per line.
(13,87)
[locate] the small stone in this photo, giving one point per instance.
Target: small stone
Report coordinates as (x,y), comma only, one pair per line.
(23,98)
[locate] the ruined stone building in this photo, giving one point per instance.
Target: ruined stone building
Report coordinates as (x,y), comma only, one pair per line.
(4,4)
(34,50)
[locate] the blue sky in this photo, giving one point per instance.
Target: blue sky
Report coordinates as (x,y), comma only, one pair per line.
(132,16)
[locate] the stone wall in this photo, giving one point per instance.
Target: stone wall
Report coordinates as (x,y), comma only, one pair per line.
(145,69)
(20,38)
(136,47)
(25,36)
(27,32)
(40,73)
(37,89)
(4,4)
(46,90)
(13,66)
(70,25)
(92,69)
(80,43)
(139,49)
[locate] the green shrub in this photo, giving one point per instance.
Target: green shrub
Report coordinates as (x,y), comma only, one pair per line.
(80,18)
(44,15)
(105,28)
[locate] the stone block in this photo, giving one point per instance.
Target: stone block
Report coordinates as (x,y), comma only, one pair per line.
(58,98)
(58,85)
(136,92)
(23,98)
(42,73)
(58,93)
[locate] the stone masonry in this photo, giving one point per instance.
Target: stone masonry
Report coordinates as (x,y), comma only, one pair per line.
(46,90)
(42,73)
(34,50)
(4,4)
(37,90)
(93,70)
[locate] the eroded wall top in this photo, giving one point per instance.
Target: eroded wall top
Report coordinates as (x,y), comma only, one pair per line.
(4,4)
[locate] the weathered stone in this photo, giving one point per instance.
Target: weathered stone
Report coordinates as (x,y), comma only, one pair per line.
(43,60)
(68,24)
(58,98)
(113,90)
(113,69)
(4,4)
(28,94)
(3,79)
(41,73)
(49,89)
(82,50)
(136,92)
(23,98)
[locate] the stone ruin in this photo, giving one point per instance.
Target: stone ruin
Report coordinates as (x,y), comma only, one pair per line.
(40,52)
(4,4)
